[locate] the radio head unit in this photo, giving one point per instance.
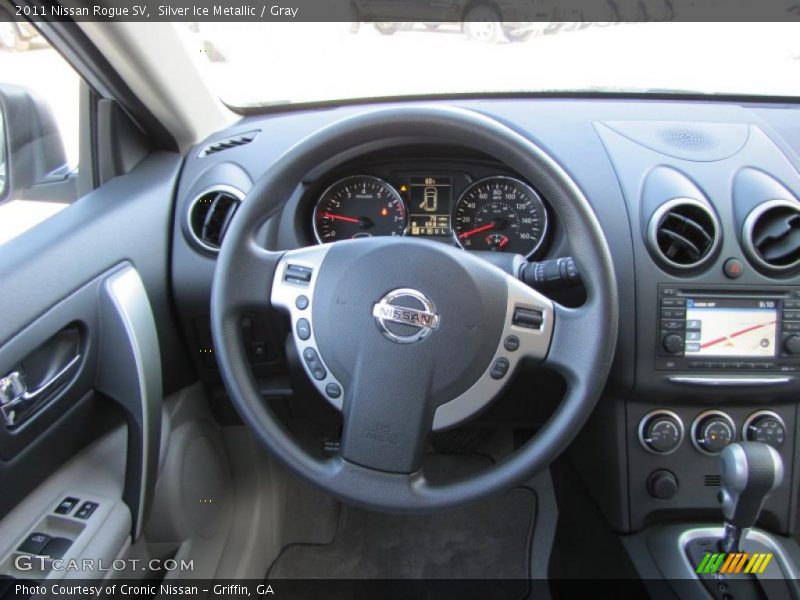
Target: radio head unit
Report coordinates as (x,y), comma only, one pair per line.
(722,330)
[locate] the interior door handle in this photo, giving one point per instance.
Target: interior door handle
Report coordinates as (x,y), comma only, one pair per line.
(17,402)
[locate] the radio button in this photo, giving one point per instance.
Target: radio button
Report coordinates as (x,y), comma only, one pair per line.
(791,315)
(673,343)
(671,325)
(669,291)
(792,326)
(791,304)
(670,302)
(792,344)
(673,313)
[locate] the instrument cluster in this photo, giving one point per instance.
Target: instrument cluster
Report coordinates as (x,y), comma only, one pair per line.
(497,213)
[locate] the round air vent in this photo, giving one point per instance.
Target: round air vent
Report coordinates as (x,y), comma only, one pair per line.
(684,234)
(771,236)
(210,214)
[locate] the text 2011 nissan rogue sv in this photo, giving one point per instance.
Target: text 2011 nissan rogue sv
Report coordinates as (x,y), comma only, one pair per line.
(399,300)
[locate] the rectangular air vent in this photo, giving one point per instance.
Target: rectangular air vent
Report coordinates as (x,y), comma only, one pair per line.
(712,480)
(231,142)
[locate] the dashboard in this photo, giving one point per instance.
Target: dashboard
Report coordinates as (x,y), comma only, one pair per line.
(698,201)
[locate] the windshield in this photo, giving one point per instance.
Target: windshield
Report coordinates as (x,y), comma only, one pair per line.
(256,64)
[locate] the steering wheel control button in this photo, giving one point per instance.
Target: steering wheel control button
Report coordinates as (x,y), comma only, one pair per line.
(34,543)
(86,510)
(499,368)
(528,318)
(297,274)
(333,390)
(303,329)
(314,364)
(511,343)
(301,302)
(66,505)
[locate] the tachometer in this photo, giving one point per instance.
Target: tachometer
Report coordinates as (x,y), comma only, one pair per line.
(359,206)
(501,214)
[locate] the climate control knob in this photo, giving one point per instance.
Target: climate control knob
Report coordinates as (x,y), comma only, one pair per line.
(661,432)
(765,426)
(712,431)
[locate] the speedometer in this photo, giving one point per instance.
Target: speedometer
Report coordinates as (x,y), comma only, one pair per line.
(502,214)
(359,206)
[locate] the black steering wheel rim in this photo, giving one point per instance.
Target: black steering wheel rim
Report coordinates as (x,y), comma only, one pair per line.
(583,339)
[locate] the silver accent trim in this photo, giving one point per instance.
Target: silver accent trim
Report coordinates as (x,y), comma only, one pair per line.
(129,297)
(343,179)
(761,413)
(696,424)
(650,416)
(219,188)
(730,381)
(657,219)
(533,343)
(283,296)
(534,194)
(384,310)
(747,235)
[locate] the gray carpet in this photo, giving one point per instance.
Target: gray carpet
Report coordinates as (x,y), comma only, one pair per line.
(489,540)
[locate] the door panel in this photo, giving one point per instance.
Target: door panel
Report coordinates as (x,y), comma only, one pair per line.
(58,278)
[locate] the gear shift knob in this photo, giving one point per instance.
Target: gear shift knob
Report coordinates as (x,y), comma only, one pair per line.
(750,472)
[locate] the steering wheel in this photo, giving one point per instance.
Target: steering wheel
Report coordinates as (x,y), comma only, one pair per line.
(407,336)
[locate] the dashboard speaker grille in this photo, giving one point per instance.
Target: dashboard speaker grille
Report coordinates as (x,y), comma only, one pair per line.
(684,233)
(772,236)
(210,215)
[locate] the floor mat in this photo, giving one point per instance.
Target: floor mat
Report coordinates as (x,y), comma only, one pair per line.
(489,540)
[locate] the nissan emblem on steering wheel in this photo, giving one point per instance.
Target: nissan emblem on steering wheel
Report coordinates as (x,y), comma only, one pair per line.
(405,316)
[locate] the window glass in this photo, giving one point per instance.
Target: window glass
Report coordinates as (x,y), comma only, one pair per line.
(50,100)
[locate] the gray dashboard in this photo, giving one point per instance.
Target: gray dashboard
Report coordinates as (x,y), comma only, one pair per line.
(629,157)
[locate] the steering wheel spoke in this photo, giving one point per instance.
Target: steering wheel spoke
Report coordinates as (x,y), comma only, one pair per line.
(570,353)
(252,278)
(387,419)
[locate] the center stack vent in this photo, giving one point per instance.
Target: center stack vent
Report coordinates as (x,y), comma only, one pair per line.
(683,234)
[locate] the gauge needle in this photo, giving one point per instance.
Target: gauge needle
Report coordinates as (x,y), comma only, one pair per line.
(329,215)
(363,222)
(486,227)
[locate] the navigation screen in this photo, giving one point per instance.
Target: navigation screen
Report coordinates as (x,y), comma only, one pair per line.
(731,327)
(428,203)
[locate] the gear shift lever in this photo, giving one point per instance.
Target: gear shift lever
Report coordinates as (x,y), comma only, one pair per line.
(750,472)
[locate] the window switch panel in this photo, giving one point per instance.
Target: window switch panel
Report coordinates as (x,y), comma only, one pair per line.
(34,543)
(57,547)
(86,510)
(66,505)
